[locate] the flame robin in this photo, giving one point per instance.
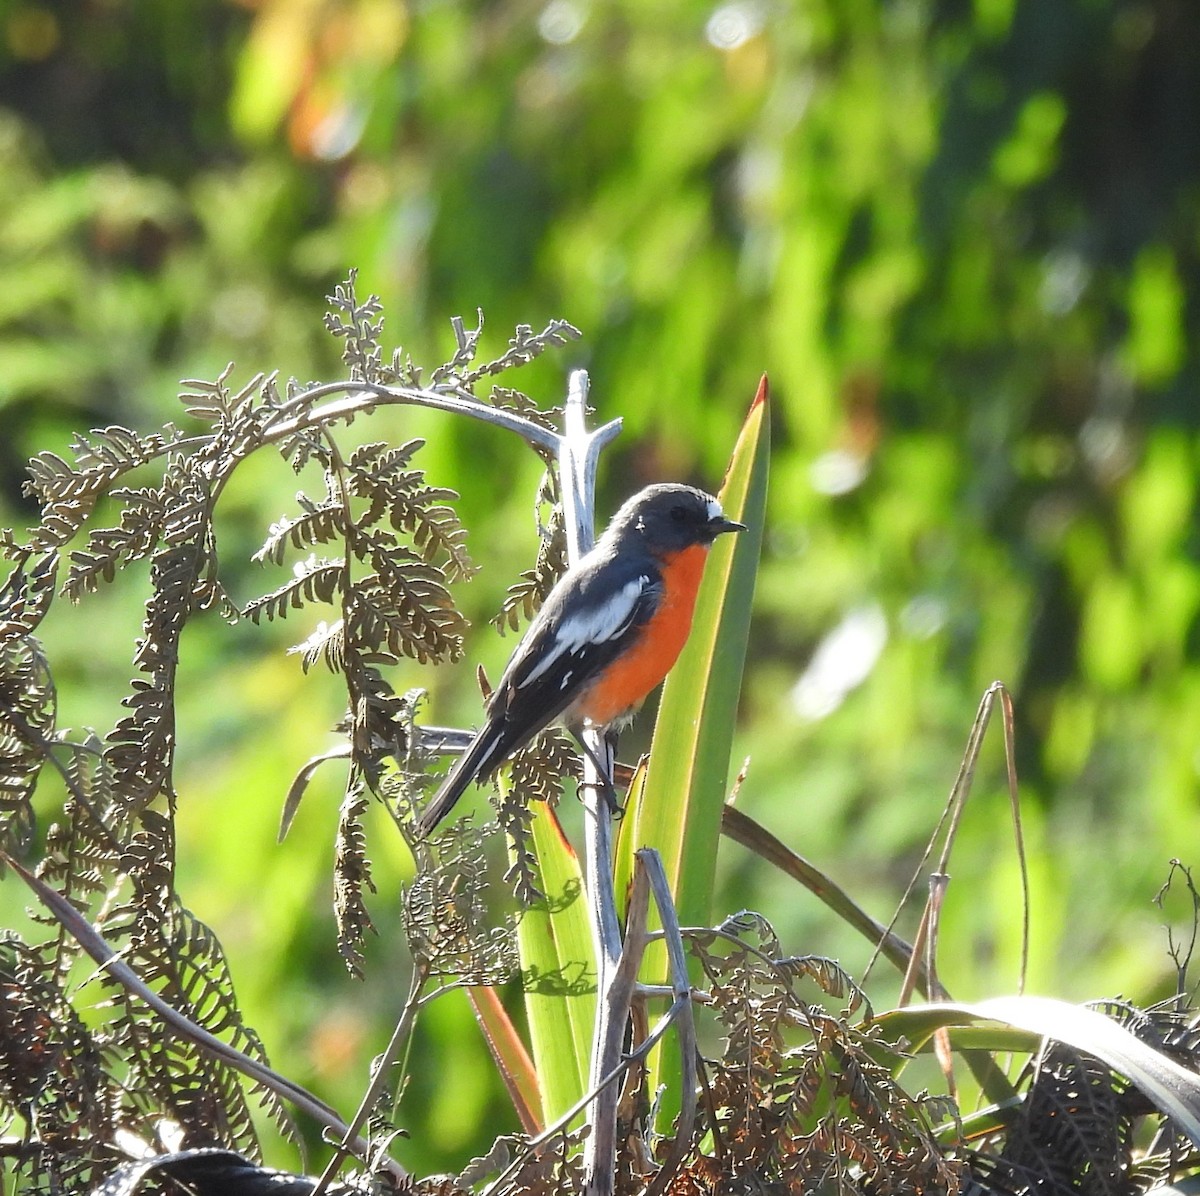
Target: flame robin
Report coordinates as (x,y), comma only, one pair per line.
(607,634)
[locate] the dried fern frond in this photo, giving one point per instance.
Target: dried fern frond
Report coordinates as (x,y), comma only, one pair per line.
(403,609)
(800,1094)
(53,1075)
(178,956)
(554,1169)
(216,404)
(83,853)
(28,705)
(507,399)
(523,347)
(448,921)
(382,547)
(381,474)
(28,590)
(352,876)
(525,596)
(538,772)
(316,579)
(380,726)
(317,524)
(111,548)
(69,491)
(403,606)
(359,326)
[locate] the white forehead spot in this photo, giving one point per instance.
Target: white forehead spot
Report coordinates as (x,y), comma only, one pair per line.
(714,509)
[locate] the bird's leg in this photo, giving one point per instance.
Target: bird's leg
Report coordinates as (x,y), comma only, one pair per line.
(603,767)
(610,756)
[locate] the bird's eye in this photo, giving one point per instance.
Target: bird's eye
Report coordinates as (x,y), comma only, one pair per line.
(679,514)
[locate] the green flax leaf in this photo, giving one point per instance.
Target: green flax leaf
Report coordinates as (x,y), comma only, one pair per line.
(678,807)
(679,811)
(558,970)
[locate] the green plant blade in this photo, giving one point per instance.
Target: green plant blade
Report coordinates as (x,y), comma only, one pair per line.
(679,811)
(1173,1089)
(678,807)
(557,966)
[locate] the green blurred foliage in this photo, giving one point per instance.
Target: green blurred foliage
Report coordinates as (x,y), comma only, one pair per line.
(963,240)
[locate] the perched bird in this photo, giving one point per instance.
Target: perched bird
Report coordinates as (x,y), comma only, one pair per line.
(607,634)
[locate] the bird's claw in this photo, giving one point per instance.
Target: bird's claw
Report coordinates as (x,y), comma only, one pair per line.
(615,809)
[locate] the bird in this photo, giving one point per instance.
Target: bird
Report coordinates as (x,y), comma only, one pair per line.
(606,635)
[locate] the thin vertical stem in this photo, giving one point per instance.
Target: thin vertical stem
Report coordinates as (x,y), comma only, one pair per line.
(579,452)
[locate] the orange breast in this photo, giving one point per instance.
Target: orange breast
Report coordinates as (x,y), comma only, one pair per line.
(623,686)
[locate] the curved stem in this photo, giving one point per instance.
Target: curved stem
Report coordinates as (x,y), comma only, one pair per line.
(361,397)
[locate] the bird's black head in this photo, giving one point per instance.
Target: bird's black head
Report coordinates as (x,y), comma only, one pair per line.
(670,517)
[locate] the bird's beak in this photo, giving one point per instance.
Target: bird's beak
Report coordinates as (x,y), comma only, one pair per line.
(720,525)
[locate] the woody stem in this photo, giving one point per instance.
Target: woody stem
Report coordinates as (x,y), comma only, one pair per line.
(579,451)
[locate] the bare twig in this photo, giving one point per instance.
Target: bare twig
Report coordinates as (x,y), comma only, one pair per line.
(579,453)
(379,1078)
(952,814)
(1014,801)
(612,1016)
(686,1025)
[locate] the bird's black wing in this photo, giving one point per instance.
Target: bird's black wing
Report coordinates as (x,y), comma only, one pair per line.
(584,624)
(579,631)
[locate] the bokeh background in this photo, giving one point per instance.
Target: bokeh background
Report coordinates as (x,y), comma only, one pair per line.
(963,240)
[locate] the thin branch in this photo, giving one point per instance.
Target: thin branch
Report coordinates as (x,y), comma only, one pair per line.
(362,397)
(955,805)
(1014,799)
(379,1078)
(612,1015)
(578,458)
(658,992)
(685,1022)
(578,454)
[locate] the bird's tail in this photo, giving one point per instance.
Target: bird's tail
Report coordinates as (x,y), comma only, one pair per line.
(485,751)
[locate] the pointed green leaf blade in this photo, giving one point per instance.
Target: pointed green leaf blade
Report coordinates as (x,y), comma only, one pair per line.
(680,808)
(557,966)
